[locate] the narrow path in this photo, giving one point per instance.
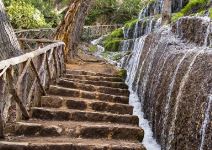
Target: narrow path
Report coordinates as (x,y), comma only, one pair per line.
(84,110)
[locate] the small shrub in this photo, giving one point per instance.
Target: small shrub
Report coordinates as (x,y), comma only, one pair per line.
(112,45)
(24,15)
(122,73)
(131,23)
(210,13)
(92,48)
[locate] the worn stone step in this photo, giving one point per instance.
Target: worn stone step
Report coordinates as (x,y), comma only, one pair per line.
(85,104)
(92,88)
(79,130)
(94,78)
(66,143)
(81,72)
(76,115)
(120,85)
(62,91)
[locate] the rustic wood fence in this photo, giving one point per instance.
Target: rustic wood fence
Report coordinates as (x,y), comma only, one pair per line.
(89,32)
(24,79)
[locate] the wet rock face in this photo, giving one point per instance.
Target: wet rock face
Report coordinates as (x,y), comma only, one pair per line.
(194,29)
(173,78)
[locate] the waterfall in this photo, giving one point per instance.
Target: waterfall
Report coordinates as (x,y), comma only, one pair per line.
(205,122)
(178,98)
(132,67)
(170,90)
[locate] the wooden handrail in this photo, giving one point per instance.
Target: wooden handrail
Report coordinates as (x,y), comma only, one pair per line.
(27,77)
(25,57)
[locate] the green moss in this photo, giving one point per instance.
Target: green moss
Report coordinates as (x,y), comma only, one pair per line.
(194,6)
(112,45)
(92,48)
(112,41)
(131,23)
(118,33)
(117,57)
(122,73)
(210,13)
(176,16)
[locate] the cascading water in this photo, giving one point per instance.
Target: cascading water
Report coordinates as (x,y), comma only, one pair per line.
(170,77)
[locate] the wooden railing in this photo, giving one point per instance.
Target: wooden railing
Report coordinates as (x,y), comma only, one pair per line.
(89,32)
(24,79)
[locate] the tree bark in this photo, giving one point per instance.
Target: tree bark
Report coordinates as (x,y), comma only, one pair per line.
(9,46)
(166,12)
(70,29)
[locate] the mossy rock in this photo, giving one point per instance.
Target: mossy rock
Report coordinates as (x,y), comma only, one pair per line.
(92,48)
(122,73)
(194,6)
(210,13)
(118,33)
(131,23)
(113,40)
(112,45)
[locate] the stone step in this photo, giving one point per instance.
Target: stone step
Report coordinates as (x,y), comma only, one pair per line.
(92,88)
(84,104)
(79,130)
(121,85)
(66,143)
(81,72)
(61,91)
(76,115)
(94,78)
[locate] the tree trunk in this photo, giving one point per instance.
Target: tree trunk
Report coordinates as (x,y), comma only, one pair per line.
(9,46)
(70,29)
(166,12)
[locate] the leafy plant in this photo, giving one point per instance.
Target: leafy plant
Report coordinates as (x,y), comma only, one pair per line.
(24,15)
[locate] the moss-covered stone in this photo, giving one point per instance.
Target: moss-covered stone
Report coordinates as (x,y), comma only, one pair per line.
(131,23)
(210,13)
(112,41)
(193,7)
(92,48)
(122,73)
(112,45)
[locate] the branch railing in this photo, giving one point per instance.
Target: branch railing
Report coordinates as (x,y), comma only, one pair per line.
(24,79)
(89,32)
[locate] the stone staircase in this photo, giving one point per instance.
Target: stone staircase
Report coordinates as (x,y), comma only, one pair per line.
(83,111)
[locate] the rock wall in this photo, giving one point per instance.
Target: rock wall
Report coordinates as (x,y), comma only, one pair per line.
(171,70)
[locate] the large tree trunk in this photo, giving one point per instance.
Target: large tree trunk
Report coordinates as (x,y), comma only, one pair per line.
(166,12)
(9,46)
(70,29)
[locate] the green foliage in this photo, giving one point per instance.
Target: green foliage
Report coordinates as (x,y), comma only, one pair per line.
(92,48)
(122,73)
(118,33)
(176,16)
(19,10)
(193,6)
(24,15)
(112,41)
(130,23)
(210,13)
(112,45)
(113,11)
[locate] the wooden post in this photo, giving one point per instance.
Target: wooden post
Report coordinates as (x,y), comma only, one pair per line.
(19,92)
(13,92)
(38,78)
(1,118)
(1,126)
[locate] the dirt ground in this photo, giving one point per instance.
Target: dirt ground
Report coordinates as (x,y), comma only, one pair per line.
(88,62)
